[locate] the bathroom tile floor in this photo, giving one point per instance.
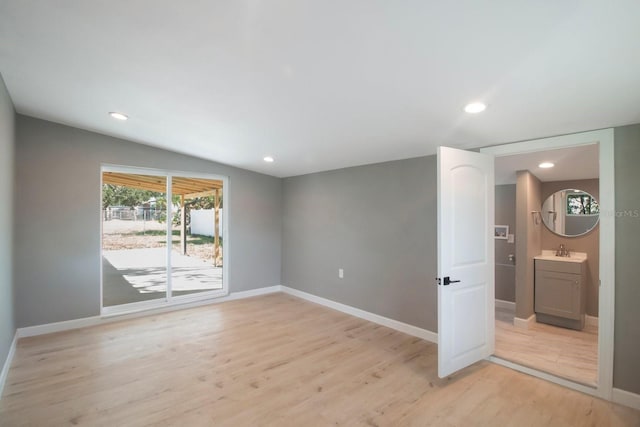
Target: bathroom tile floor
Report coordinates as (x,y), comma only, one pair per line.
(563,352)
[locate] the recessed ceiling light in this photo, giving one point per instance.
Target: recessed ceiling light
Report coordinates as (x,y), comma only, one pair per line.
(118,116)
(546,165)
(475,107)
(269,159)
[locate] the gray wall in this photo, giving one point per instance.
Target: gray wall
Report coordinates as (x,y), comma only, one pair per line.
(505,201)
(378,222)
(7,143)
(576,224)
(57,218)
(588,243)
(627,319)
(528,240)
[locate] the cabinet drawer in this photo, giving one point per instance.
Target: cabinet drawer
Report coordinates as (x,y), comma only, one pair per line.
(559,266)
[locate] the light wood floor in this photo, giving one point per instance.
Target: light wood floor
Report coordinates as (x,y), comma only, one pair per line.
(272,360)
(563,352)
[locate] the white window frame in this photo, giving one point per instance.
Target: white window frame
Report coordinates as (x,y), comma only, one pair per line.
(169,300)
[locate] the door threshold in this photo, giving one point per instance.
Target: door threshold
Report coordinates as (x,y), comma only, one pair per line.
(162,304)
(590,389)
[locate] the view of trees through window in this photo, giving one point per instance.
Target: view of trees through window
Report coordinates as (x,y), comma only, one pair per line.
(582,204)
(150,205)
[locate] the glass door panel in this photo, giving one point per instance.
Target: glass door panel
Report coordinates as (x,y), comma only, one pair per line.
(196,257)
(134,238)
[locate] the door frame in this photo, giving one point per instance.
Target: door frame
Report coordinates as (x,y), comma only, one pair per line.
(168,300)
(606,305)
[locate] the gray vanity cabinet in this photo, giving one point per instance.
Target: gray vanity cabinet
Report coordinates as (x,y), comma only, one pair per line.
(560,294)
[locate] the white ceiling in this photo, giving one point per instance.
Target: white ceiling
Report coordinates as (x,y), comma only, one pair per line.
(323,84)
(570,163)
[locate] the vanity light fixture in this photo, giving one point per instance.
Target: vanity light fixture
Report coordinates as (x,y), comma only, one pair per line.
(269,159)
(546,165)
(118,116)
(475,107)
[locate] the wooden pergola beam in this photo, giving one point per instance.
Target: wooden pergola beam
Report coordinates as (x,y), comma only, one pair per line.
(188,187)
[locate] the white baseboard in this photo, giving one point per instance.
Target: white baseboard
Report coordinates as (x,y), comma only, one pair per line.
(68,325)
(7,363)
(590,320)
(375,318)
(626,398)
(251,293)
(505,304)
(524,323)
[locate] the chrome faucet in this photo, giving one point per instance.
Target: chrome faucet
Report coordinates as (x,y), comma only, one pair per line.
(562,251)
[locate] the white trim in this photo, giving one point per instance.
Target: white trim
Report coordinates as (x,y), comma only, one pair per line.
(606,309)
(251,293)
(524,323)
(551,143)
(101,222)
(7,363)
(590,320)
(159,303)
(371,317)
(169,238)
(67,325)
(591,390)
(508,305)
(50,328)
(626,398)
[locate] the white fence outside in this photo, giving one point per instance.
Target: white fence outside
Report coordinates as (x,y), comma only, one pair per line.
(202,221)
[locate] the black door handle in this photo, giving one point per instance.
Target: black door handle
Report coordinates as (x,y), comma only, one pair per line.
(448,281)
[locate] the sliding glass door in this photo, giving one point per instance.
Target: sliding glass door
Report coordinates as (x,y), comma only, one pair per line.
(146,235)
(196,261)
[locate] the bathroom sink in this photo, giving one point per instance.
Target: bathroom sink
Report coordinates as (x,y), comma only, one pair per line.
(550,255)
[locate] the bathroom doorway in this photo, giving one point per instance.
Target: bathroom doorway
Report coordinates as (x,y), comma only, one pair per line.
(556,329)
(565,342)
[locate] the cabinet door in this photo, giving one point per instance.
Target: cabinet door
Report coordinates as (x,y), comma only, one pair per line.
(558,294)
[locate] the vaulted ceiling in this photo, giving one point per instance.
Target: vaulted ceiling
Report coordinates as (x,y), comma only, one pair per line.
(321,84)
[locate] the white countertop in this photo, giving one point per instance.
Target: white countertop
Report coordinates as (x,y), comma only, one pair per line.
(550,255)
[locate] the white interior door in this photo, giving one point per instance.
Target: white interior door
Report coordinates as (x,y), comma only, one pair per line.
(466,315)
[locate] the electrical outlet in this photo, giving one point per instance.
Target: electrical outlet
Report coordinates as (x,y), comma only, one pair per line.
(340,273)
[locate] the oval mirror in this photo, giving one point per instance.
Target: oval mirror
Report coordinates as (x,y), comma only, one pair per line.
(570,212)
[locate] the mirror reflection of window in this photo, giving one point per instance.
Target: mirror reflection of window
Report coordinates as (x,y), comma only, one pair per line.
(570,212)
(582,204)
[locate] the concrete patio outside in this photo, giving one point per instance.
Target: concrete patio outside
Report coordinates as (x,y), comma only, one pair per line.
(133,275)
